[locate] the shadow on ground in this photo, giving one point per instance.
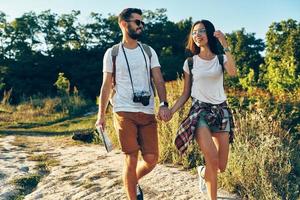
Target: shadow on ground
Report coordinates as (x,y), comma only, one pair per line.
(17,132)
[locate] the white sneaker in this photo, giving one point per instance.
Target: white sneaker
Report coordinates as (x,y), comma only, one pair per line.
(202,186)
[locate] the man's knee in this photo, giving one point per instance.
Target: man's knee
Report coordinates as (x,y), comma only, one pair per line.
(150,159)
(131,160)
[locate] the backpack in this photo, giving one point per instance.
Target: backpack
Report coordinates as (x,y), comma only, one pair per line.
(114,54)
(191,64)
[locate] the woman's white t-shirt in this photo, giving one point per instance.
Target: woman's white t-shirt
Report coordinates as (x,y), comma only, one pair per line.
(122,99)
(207,83)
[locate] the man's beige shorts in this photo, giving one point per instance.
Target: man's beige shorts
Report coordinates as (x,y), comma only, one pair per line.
(137,131)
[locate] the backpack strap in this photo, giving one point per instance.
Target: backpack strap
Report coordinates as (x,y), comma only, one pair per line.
(221,61)
(114,54)
(190,62)
(149,53)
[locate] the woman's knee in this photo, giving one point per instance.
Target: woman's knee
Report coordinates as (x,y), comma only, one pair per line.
(213,164)
(222,167)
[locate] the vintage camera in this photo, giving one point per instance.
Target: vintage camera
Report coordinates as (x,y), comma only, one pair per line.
(141,97)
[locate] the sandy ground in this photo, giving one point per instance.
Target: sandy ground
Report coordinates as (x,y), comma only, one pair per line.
(88,172)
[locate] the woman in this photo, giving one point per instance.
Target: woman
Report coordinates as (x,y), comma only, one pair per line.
(210,120)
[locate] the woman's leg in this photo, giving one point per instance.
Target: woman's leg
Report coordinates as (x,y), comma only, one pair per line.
(221,140)
(210,152)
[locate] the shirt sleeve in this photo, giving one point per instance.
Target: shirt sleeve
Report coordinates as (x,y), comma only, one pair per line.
(154,59)
(186,67)
(107,61)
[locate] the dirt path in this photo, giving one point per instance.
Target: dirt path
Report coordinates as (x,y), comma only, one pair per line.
(87,172)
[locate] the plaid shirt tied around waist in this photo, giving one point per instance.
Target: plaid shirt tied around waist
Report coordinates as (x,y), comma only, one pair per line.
(214,117)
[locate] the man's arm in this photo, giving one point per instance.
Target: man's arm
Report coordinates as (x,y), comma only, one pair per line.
(164,112)
(159,84)
(104,98)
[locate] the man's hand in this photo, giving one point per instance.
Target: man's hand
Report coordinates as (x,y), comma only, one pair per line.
(164,113)
(100,123)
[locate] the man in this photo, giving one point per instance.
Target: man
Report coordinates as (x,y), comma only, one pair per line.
(133,100)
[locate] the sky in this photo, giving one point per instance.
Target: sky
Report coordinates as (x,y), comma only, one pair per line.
(227,15)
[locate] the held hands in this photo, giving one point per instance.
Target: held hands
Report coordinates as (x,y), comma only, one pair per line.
(164,113)
(221,37)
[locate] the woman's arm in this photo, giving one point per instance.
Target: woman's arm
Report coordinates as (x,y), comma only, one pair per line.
(185,94)
(230,64)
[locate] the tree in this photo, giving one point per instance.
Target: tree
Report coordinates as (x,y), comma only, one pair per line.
(283,56)
(24,38)
(48,23)
(62,84)
(168,40)
(2,34)
(246,50)
(68,26)
(3,74)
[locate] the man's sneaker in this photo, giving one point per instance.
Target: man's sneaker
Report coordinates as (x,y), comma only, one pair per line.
(139,193)
(202,186)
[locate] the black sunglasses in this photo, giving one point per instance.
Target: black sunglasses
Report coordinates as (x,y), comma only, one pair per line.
(137,22)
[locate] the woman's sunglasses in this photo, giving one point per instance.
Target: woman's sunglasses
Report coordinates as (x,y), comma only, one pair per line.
(137,22)
(199,32)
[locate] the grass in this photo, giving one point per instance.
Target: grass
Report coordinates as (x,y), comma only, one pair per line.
(264,160)
(44,162)
(260,160)
(25,185)
(42,112)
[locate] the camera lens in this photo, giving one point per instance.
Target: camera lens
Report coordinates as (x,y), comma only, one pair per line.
(145,100)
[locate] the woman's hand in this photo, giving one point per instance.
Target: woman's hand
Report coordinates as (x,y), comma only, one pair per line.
(221,37)
(164,114)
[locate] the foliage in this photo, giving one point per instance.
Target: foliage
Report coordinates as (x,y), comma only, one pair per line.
(261,159)
(264,159)
(246,50)
(62,84)
(35,47)
(283,57)
(38,111)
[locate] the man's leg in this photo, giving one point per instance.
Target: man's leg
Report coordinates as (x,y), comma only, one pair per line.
(127,130)
(148,141)
(129,175)
(146,165)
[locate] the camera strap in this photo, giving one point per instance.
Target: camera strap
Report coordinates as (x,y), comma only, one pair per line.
(130,71)
(146,65)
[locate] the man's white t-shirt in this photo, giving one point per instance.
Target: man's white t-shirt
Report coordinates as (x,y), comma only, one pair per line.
(207,83)
(123,98)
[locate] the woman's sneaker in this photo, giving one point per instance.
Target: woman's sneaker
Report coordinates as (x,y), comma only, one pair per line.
(202,186)
(139,193)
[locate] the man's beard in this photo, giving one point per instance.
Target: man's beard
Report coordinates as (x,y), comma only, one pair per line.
(133,34)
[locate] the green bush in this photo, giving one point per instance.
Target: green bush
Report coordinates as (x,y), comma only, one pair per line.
(260,164)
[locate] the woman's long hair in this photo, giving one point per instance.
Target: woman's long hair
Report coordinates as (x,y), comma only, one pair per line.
(192,48)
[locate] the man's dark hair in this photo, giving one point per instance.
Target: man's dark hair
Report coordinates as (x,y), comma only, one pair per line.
(126,13)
